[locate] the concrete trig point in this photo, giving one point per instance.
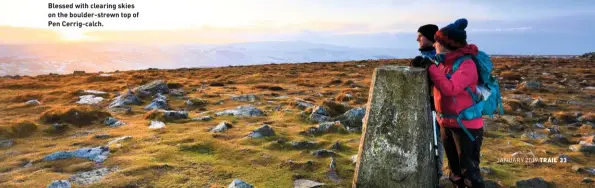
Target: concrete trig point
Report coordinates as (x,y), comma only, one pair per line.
(397,138)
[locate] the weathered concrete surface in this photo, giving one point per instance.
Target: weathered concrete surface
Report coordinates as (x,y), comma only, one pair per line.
(395,149)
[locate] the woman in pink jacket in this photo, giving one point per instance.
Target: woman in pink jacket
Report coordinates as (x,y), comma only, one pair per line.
(450,97)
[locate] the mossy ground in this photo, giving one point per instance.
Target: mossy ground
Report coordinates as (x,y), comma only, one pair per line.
(185,154)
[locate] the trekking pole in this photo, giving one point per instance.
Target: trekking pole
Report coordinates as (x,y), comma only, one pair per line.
(437,155)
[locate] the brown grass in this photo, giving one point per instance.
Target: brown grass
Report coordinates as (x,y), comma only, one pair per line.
(78,115)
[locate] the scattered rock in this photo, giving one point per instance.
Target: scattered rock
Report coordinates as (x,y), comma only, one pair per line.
(156,125)
(196,102)
(532,183)
(27,165)
(33,102)
(557,139)
(113,122)
(303,144)
(150,89)
(221,127)
(102,136)
(94,92)
(533,135)
(126,99)
(119,139)
(537,103)
(6,143)
(354,159)
(175,115)
(237,183)
(242,111)
(323,153)
(203,118)
(177,92)
(529,85)
(538,126)
(583,170)
(89,99)
(303,183)
(245,98)
(58,126)
(588,180)
(89,177)
(302,105)
(583,147)
(323,128)
(319,115)
(60,184)
(158,103)
(264,131)
(97,154)
(352,119)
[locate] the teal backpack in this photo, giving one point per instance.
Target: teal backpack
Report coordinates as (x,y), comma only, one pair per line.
(487,82)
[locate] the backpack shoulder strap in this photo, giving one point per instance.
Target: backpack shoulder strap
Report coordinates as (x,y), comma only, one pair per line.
(460,60)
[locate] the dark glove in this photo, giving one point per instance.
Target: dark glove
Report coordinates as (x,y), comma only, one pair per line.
(422,62)
(416,62)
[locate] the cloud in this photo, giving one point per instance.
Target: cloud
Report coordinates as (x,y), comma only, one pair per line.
(513,29)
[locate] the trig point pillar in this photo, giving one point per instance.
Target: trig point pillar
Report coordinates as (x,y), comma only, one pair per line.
(397,137)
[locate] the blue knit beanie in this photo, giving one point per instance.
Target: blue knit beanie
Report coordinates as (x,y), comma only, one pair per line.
(453,36)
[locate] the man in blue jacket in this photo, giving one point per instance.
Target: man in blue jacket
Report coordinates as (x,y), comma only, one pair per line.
(425,38)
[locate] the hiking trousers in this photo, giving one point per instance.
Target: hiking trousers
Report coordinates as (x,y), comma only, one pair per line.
(463,155)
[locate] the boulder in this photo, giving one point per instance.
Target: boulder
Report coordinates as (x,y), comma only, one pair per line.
(588,180)
(319,115)
(303,183)
(532,183)
(242,111)
(583,147)
(94,92)
(156,125)
(264,131)
(302,104)
(221,127)
(89,99)
(89,177)
(237,183)
(177,92)
(303,144)
(352,119)
(245,98)
(150,89)
(33,102)
(97,154)
(126,99)
(203,118)
(60,184)
(174,115)
(158,103)
(323,153)
(6,143)
(113,122)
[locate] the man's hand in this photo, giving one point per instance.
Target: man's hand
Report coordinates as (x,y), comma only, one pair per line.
(421,62)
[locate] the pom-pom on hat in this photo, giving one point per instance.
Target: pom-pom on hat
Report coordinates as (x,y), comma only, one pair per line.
(453,36)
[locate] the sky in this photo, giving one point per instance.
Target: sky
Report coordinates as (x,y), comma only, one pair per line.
(504,27)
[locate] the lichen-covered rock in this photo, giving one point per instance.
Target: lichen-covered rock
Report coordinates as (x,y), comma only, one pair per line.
(97,154)
(320,115)
(157,103)
(123,100)
(303,144)
(89,99)
(89,177)
(113,122)
(264,131)
(323,153)
(303,183)
(245,98)
(352,119)
(237,183)
(150,89)
(175,115)
(203,118)
(302,104)
(156,125)
(60,184)
(242,111)
(221,127)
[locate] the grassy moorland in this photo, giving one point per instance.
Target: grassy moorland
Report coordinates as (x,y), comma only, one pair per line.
(549,108)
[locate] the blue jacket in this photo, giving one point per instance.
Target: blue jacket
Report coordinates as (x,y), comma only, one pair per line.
(429,53)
